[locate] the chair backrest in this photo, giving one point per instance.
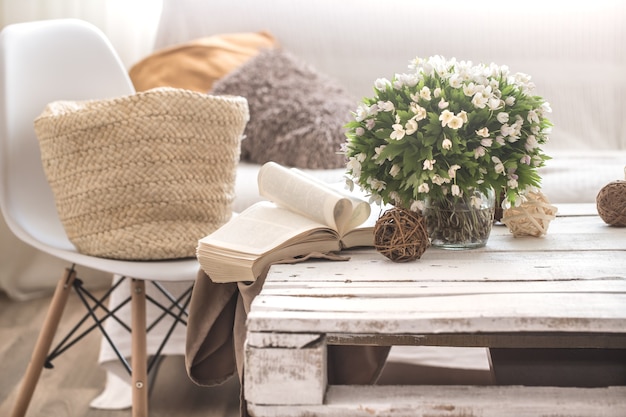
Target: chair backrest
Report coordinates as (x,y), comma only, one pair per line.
(41,62)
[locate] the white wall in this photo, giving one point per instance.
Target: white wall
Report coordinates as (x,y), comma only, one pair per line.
(130,24)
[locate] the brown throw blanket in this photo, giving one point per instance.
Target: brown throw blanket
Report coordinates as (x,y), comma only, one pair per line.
(216,333)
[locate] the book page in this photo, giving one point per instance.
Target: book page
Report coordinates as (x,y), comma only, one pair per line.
(262,228)
(362,211)
(304,194)
(363,234)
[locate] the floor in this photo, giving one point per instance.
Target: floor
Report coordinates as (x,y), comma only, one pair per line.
(67,389)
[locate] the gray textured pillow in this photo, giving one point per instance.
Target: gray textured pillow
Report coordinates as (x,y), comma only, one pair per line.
(297,115)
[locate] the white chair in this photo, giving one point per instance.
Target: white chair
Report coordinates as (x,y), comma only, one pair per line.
(41,62)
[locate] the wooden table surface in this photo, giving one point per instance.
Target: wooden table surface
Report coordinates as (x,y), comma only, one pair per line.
(564,290)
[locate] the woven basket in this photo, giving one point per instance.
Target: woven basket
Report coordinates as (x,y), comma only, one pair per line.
(144,176)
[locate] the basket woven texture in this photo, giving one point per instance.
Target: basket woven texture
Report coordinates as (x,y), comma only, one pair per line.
(144,176)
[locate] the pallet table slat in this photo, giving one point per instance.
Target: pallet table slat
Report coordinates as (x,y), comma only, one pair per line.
(566,290)
(458,401)
(440,265)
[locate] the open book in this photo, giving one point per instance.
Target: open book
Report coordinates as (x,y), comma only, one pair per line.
(303,215)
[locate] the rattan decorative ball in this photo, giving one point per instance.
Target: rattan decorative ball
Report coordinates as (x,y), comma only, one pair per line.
(611,203)
(531,218)
(401,235)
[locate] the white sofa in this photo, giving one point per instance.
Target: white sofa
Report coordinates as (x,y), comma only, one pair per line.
(574,54)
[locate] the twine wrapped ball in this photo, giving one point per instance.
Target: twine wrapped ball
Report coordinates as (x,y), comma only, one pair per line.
(611,203)
(401,235)
(531,218)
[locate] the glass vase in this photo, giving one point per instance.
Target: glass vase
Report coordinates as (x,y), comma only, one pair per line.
(460,222)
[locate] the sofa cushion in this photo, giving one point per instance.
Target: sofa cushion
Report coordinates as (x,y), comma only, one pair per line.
(297,114)
(197,64)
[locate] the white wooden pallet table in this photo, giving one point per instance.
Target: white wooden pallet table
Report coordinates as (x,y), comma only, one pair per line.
(564,290)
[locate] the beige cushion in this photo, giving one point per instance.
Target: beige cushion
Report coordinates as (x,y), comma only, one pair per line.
(196,65)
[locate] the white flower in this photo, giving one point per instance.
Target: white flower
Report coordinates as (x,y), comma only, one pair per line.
(395,170)
(469,89)
(364,111)
(480,100)
(410,126)
(484,132)
(439,180)
(531,143)
(423,188)
(387,106)
(443,104)
(456,190)
(445,117)
(349,183)
(419,111)
(398,132)
(417,205)
(377,151)
(486,142)
(507,130)
(455,81)
(499,166)
(545,107)
(381,84)
(476,201)
(354,165)
(479,152)
(521,78)
(429,164)
(502,117)
(451,120)
(375,199)
(425,93)
(532,116)
(416,63)
(455,122)
(376,184)
(402,80)
(494,103)
(453,169)
(446,144)
(395,197)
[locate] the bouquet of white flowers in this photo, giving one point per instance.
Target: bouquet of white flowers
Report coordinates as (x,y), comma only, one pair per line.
(448,129)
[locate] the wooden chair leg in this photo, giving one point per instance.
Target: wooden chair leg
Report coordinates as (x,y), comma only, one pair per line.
(44,341)
(139,359)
